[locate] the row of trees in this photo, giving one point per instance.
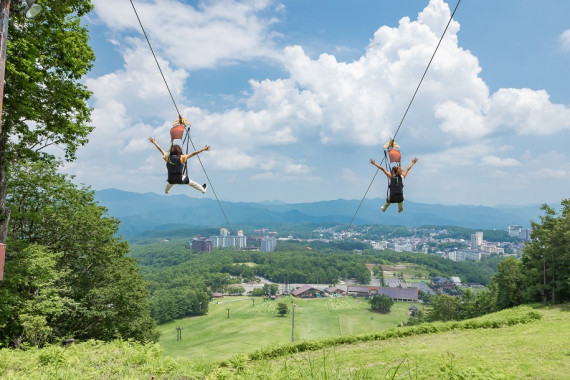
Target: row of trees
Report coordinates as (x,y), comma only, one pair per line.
(314,267)
(469,271)
(543,274)
(447,308)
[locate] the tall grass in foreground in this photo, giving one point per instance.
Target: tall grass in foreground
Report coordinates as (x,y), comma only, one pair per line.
(130,360)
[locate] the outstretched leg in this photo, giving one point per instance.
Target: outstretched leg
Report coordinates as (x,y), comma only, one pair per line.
(197,186)
(400,206)
(383,208)
(168,187)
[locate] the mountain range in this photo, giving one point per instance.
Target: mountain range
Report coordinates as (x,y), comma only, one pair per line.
(141,212)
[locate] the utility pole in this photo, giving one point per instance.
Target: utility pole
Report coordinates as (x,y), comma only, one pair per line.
(293,324)
(543,277)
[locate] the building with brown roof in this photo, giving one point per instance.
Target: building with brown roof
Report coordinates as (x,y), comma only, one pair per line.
(307,291)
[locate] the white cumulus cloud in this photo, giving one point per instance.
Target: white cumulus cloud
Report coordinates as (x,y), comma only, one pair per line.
(565,39)
(205,35)
(497,161)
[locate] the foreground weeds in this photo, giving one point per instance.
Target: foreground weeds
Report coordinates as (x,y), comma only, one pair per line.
(93,360)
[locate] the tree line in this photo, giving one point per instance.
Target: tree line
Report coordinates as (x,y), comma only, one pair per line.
(542,275)
(469,271)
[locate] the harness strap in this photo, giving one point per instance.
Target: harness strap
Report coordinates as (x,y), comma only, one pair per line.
(389,169)
(187,140)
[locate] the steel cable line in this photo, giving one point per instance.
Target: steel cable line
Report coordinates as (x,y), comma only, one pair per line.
(407,109)
(178,113)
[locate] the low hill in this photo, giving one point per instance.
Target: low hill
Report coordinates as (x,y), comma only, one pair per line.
(518,343)
(140,212)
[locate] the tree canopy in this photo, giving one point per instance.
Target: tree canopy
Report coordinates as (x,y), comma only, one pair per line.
(65,264)
(381,303)
(45,102)
(546,259)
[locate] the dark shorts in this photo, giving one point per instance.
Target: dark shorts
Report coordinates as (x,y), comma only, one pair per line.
(396,198)
(178,180)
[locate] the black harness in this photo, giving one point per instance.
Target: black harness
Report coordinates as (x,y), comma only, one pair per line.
(396,190)
(176,170)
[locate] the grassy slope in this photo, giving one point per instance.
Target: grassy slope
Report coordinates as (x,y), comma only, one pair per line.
(536,350)
(251,327)
(539,350)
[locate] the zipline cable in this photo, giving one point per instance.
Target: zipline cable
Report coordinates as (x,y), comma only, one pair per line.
(155,59)
(408,108)
(178,113)
(214,191)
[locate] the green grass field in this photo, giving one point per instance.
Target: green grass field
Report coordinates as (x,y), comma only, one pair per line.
(254,325)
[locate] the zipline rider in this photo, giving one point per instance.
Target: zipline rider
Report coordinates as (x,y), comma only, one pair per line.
(175,161)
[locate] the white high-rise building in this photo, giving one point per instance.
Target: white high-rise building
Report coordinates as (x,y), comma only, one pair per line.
(268,244)
(514,230)
(225,240)
(476,240)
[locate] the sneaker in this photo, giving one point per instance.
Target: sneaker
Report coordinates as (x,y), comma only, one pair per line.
(383,208)
(204,186)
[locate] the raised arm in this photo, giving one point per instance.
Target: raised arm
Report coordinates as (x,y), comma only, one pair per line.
(152,140)
(409,167)
(187,156)
(381,168)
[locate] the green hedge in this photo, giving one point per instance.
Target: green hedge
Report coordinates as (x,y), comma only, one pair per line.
(517,315)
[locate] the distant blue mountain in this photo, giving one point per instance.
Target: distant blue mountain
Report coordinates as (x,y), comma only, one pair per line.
(140,212)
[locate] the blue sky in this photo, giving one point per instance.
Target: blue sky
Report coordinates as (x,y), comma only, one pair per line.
(296,96)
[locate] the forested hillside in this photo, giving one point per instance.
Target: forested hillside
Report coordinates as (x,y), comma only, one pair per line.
(181,281)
